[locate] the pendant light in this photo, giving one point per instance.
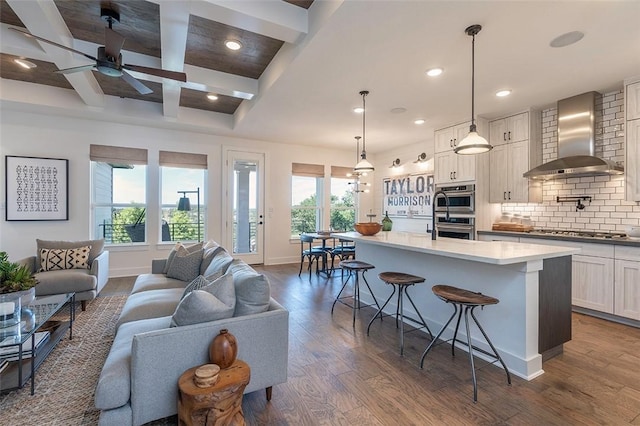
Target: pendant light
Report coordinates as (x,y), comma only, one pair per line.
(363,165)
(473,143)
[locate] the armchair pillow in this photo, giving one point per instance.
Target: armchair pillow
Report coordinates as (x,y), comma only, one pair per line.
(59,259)
(97,246)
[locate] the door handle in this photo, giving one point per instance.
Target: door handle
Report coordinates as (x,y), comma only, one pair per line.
(260,223)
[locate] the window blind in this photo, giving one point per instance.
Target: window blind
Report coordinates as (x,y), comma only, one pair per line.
(341,172)
(183,159)
(117,154)
(310,170)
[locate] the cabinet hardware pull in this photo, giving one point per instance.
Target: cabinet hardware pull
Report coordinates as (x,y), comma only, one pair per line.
(509,194)
(450,175)
(504,196)
(454,175)
(451,143)
(455,142)
(504,136)
(509,134)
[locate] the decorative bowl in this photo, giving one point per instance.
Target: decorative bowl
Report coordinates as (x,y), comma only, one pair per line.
(633,231)
(368,228)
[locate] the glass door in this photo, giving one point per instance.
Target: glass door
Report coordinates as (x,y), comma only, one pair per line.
(244,222)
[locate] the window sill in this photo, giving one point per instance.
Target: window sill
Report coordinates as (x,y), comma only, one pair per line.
(127,247)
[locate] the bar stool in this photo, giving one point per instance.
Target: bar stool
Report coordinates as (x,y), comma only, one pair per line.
(354,267)
(470,300)
(403,282)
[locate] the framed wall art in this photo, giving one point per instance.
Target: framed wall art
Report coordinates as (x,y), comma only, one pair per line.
(36,188)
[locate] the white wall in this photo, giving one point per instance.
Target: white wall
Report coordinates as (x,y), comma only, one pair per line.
(35,134)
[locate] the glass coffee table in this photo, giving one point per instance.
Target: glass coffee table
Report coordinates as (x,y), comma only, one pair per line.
(18,362)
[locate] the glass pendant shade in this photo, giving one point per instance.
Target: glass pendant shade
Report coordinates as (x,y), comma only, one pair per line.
(364,166)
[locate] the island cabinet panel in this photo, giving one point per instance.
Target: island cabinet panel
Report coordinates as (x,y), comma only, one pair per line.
(554,325)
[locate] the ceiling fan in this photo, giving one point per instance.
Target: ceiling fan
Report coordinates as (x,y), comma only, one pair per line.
(109,58)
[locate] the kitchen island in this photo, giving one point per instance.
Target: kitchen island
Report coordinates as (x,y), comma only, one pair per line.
(532,282)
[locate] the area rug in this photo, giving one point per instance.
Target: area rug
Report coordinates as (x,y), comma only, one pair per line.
(66,380)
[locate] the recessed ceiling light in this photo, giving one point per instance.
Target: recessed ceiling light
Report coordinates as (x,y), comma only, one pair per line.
(433,72)
(358,110)
(233,44)
(566,39)
(25,64)
(419,121)
(503,93)
(212,97)
(398,110)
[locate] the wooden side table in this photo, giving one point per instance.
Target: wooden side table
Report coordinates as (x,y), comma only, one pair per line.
(217,405)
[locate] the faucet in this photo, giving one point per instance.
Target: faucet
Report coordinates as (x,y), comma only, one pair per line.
(433,211)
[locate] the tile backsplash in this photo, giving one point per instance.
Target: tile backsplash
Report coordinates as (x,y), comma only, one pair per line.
(607,211)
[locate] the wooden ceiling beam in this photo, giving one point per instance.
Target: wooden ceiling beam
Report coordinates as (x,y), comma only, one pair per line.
(275,19)
(43,19)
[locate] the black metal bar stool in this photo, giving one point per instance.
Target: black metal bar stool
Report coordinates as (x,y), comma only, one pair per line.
(403,282)
(355,267)
(468,300)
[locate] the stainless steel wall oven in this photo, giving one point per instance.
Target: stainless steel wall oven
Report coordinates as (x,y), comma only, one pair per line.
(462,199)
(457,227)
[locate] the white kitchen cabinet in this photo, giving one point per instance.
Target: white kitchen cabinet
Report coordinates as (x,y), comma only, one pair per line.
(510,129)
(627,282)
(592,283)
(449,166)
(632,140)
(448,138)
(513,155)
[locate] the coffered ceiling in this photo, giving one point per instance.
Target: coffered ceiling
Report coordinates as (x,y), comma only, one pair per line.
(302,63)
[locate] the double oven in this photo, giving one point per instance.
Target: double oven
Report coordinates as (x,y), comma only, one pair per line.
(461,223)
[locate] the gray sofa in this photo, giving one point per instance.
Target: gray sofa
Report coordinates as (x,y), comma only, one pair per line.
(85,282)
(139,380)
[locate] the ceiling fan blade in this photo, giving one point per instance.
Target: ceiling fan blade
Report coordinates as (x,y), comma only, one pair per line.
(144,90)
(76,69)
(113,42)
(172,75)
(62,46)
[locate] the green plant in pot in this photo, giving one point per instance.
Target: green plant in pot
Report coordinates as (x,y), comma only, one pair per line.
(14,276)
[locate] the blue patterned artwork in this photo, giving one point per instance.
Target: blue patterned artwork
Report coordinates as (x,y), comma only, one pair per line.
(36,188)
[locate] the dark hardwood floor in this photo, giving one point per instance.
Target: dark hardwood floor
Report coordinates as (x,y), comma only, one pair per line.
(338,375)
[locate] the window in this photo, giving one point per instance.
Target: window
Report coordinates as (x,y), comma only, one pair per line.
(119,177)
(182,209)
(343,209)
(307,189)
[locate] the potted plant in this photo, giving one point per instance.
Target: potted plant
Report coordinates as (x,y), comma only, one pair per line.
(16,288)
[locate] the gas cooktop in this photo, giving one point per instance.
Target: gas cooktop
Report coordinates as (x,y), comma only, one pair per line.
(581,234)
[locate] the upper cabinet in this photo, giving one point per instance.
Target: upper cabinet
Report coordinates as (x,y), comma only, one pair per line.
(449,166)
(517,147)
(632,139)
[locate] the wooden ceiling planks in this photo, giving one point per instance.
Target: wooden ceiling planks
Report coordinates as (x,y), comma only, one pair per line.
(198,100)
(42,74)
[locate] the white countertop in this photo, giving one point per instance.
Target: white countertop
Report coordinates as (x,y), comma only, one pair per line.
(495,252)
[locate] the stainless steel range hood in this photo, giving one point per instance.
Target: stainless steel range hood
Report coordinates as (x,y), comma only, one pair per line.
(576,143)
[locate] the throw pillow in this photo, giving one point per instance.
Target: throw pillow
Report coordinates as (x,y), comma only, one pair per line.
(252,289)
(59,259)
(196,284)
(210,303)
(97,246)
(179,247)
(185,266)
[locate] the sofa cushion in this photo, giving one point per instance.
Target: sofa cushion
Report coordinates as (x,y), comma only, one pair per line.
(252,289)
(146,282)
(209,253)
(210,303)
(97,246)
(150,304)
(218,265)
(57,259)
(114,385)
(185,266)
(183,250)
(64,281)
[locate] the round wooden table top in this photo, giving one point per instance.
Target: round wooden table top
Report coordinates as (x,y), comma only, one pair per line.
(238,373)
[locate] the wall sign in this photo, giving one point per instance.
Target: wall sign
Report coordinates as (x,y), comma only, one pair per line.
(36,188)
(408,196)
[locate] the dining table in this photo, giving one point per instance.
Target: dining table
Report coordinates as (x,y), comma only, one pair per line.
(323,236)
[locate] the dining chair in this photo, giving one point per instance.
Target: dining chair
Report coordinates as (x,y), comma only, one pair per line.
(343,250)
(310,253)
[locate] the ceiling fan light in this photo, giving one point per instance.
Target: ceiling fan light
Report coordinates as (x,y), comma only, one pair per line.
(25,64)
(233,44)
